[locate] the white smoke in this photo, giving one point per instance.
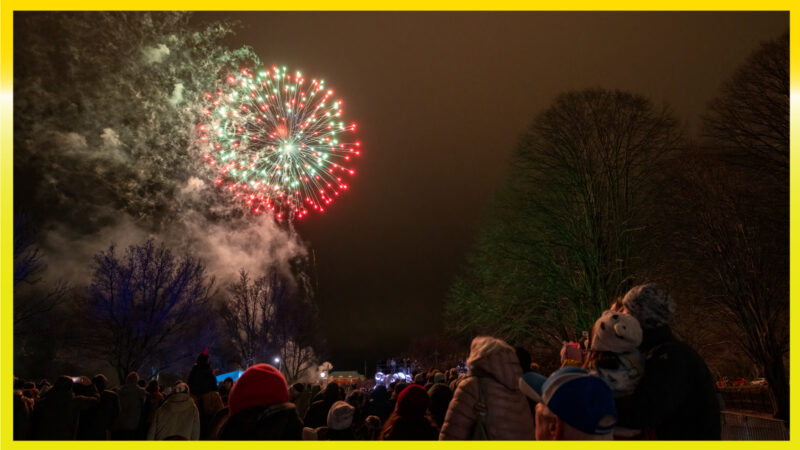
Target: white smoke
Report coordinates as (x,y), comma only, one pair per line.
(71,142)
(69,254)
(177,94)
(110,138)
(255,245)
(193,186)
(155,54)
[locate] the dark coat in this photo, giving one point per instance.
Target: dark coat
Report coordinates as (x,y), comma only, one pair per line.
(56,416)
(399,428)
(676,398)
(201,380)
(440,395)
(317,415)
(274,422)
(326,434)
(379,405)
(23,409)
(96,422)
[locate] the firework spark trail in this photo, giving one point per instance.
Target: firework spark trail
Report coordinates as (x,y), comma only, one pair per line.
(274,139)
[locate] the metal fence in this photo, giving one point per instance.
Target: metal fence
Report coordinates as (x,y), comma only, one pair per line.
(748,398)
(743,427)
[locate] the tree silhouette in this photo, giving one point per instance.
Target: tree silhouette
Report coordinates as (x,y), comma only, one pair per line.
(743,224)
(564,234)
(139,304)
(273,316)
(749,119)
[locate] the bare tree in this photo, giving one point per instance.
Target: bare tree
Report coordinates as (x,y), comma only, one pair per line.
(295,329)
(140,303)
(271,316)
(741,255)
(27,257)
(749,119)
(249,314)
(572,222)
(30,304)
(743,210)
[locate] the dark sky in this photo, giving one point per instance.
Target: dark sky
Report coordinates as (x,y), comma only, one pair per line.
(440,100)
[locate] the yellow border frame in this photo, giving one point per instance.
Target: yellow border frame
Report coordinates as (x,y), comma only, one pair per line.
(6,192)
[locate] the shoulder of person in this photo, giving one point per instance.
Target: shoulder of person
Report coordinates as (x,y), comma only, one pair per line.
(674,355)
(465,382)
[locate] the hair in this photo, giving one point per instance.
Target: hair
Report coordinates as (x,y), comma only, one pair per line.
(132,377)
(524,358)
(405,422)
(152,386)
(100,381)
(600,360)
(594,359)
(63,383)
(356,399)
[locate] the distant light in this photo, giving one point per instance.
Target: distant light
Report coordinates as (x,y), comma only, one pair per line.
(277,360)
(322,375)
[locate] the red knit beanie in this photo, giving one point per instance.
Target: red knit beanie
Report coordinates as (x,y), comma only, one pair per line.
(259,385)
(413,401)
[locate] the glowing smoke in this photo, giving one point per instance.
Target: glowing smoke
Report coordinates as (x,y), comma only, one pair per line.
(109,155)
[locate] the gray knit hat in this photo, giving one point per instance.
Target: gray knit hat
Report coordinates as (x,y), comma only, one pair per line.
(340,416)
(650,304)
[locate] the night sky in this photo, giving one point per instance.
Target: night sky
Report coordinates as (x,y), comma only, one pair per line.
(440,100)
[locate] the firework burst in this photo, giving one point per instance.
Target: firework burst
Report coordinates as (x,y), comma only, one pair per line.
(276,142)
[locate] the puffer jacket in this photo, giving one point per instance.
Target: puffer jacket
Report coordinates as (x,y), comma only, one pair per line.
(178,416)
(494,364)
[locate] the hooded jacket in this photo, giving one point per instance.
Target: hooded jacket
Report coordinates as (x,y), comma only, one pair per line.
(494,364)
(178,416)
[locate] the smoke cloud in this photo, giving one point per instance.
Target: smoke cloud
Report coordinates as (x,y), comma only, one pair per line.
(111,156)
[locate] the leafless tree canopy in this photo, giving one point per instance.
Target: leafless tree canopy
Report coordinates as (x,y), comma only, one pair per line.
(750,116)
(249,313)
(31,304)
(140,301)
(572,219)
(742,210)
(272,316)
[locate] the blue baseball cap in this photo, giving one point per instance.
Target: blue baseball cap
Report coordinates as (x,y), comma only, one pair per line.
(582,401)
(531,385)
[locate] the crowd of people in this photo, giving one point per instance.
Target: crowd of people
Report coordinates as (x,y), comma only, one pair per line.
(630,379)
